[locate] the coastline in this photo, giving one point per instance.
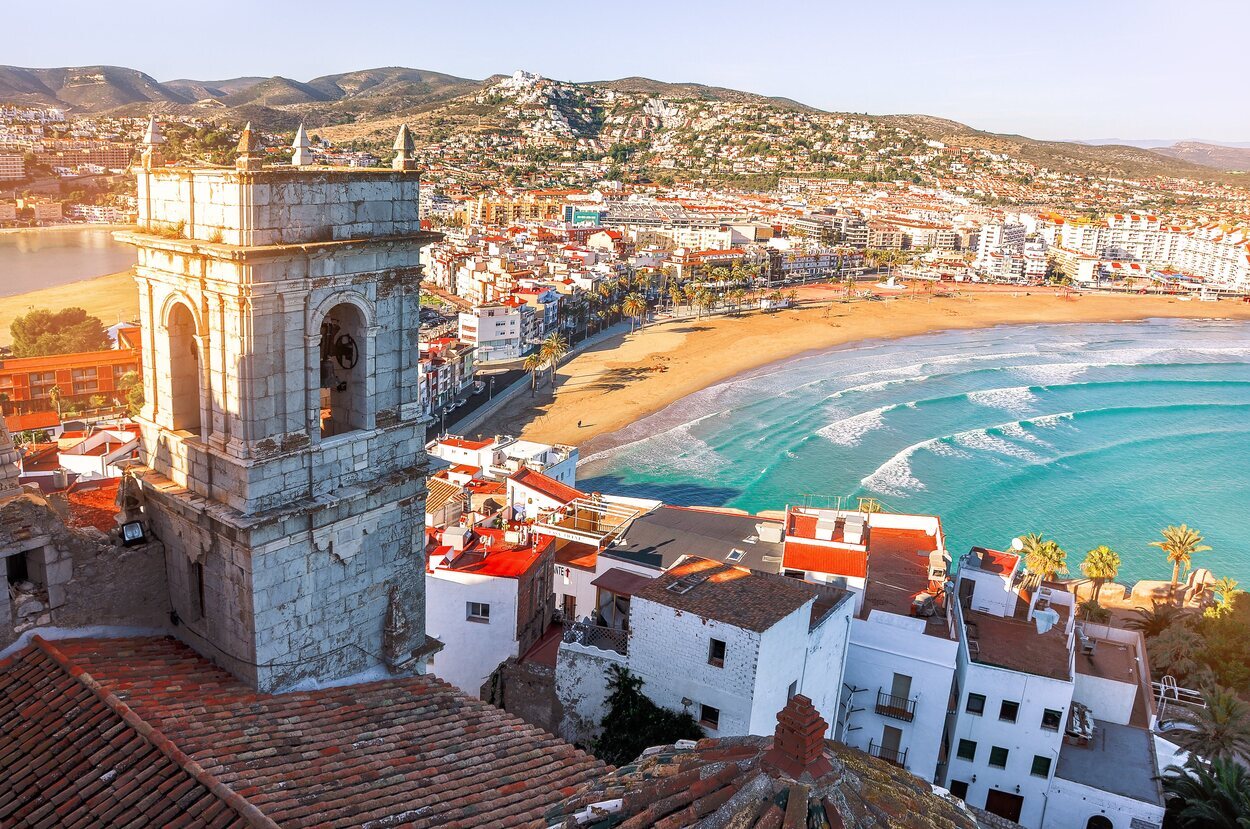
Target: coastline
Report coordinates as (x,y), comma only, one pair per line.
(63,227)
(108,297)
(633,375)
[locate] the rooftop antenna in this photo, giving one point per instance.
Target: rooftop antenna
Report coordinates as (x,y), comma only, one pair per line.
(1017,544)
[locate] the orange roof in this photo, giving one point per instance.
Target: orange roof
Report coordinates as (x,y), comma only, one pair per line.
(544,485)
(83,358)
(821,559)
(34,420)
(489,555)
(93,504)
(461,443)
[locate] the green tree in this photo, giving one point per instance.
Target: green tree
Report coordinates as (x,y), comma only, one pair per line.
(1102,564)
(1221,730)
(1207,796)
(1156,619)
(132,387)
(552,350)
(1180,544)
(41,332)
(635,308)
(533,364)
(634,723)
(1226,589)
(1043,556)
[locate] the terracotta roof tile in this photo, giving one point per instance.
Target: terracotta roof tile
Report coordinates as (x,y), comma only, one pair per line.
(409,751)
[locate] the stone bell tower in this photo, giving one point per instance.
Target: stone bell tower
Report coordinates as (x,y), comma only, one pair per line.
(284,467)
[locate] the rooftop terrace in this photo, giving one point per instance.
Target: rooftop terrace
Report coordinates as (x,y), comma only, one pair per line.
(1119,759)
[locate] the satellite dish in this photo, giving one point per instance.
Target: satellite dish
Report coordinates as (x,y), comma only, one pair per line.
(1017,544)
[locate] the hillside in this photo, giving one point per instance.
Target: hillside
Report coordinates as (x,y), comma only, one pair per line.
(1209,155)
(1103,160)
(526,120)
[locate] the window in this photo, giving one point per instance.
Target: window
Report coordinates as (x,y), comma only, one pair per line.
(709,717)
(967,750)
(998,757)
(477,612)
(796,574)
(976,704)
(959,788)
(716,653)
(184,370)
(735,556)
(1051,719)
(344,386)
(1041,766)
(1008,710)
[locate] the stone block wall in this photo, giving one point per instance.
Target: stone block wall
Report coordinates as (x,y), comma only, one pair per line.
(278,206)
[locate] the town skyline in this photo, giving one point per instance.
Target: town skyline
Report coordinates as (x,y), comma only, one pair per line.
(977,68)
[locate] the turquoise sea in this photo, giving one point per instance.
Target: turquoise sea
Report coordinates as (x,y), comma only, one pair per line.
(1090,434)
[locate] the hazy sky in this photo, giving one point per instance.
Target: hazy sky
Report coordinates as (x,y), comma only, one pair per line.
(1056,69)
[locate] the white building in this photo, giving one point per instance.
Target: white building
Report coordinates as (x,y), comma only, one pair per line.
(1039,699)
(727,644)
(487,598)
(502,456)
(501,332)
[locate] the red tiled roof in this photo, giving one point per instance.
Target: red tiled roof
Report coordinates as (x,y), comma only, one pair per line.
(544,485)
(822,559)
(409,751)
(73,754)
(462,443)
(34,420)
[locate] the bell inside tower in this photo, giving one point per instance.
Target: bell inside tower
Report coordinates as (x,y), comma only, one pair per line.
(344,397)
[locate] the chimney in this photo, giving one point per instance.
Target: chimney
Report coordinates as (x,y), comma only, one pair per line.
(798,743)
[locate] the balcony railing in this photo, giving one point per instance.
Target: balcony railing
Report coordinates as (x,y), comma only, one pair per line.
(899,708)
(597,636)
(890,755)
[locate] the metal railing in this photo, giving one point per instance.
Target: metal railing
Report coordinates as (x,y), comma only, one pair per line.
(899,708)
(890,755)
(597,636)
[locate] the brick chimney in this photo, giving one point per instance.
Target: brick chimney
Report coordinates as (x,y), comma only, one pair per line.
(799,742)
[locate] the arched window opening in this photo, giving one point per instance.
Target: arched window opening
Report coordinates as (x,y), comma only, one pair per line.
(344,404)
(1099,822)
(184,370)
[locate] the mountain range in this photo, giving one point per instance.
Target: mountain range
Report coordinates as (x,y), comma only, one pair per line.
(367,98)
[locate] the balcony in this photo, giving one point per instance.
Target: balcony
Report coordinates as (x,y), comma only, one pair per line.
(597,636)
(898,708)
(890,755)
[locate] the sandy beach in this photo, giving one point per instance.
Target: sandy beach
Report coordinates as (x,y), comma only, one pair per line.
(111,298)
(632,375)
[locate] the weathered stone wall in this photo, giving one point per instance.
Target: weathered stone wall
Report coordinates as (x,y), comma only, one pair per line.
(582,690)
(280,206)
(527,690)
(80,577)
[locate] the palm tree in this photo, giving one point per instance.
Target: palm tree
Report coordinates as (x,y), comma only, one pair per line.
(737,295)
(1156,619)
(703,300)
(1180,544)
(1226,589)
(676,295)
(552,351)
(1101,564)
(533,364)
(635,308)
(1221,730)
(1044,557)
(1208,796)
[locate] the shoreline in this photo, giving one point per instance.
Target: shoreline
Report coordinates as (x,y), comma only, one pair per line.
(638,375)
(108,297)
(4,231)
